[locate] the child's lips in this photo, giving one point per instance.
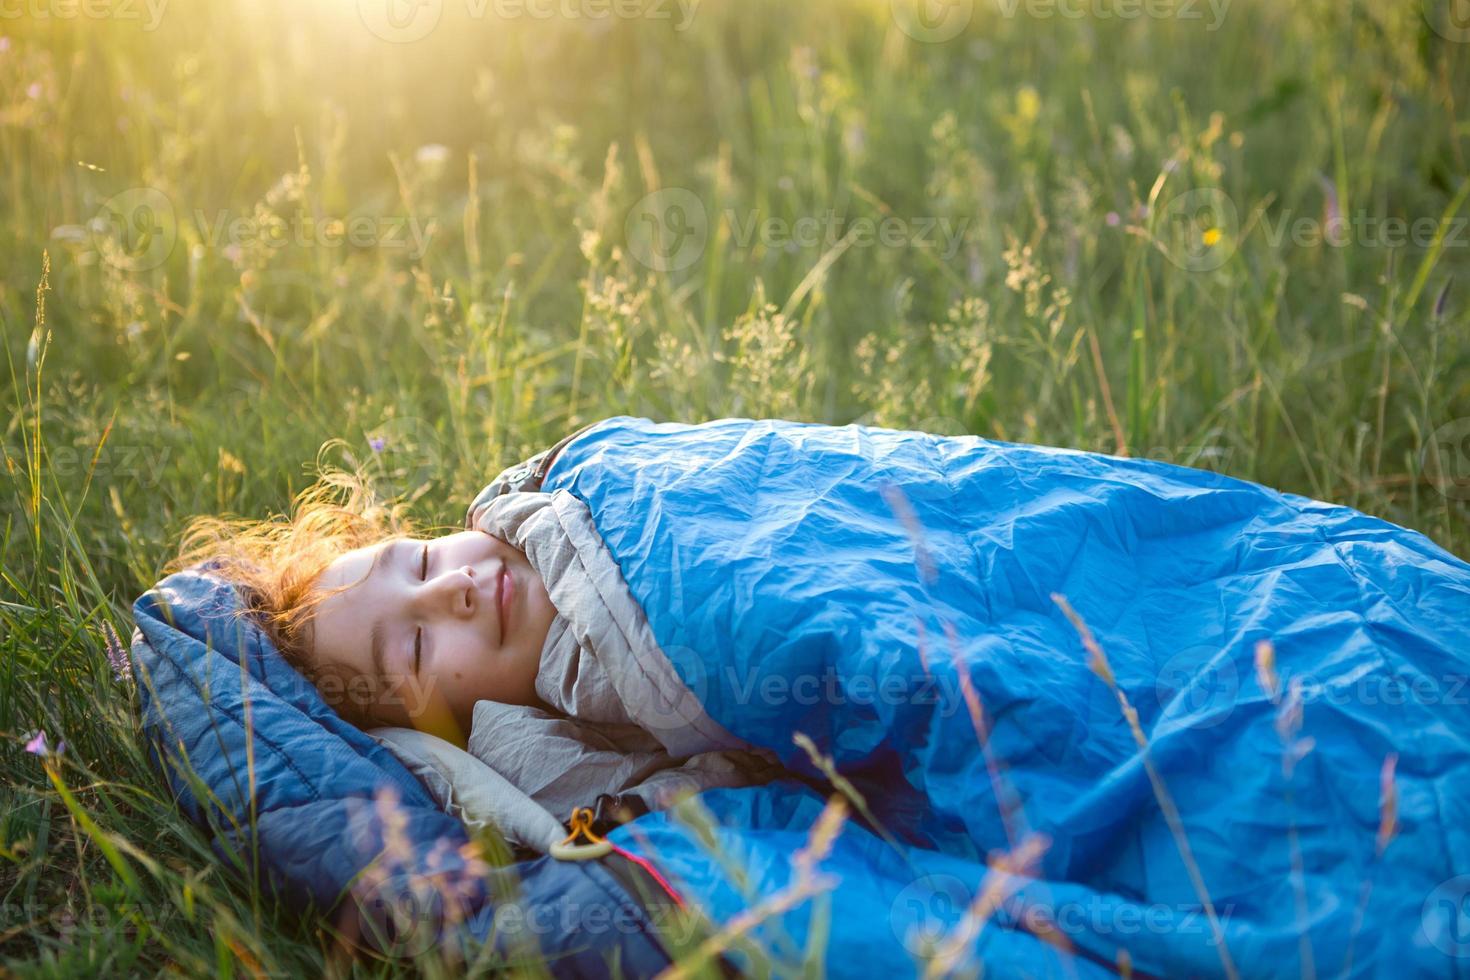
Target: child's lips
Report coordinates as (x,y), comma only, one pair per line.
(505,595)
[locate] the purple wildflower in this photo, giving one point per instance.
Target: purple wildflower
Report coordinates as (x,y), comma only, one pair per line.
(39,746)
(1441,302)
(1331,213)
(377,443)
(117,654)
(1113,219)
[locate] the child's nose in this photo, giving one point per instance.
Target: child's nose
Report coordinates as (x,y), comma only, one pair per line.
(455,591)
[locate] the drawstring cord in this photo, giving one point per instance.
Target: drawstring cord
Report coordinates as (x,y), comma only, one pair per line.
(568,849)
(647,865)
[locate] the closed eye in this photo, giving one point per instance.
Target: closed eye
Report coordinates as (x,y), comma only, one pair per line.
(418,635)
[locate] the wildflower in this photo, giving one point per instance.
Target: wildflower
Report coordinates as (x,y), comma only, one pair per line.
(4,44)
(39,746)
(1211,237)
(71,234)
(1028,104)
(117,654)
(1331,212)
(377,444)
(1113,219)
(1266,668)
(1388,802)
(33,90)
(1288,723)
(432,154)
(1442,301)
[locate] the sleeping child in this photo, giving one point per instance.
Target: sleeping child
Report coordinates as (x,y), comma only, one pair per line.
(439,644)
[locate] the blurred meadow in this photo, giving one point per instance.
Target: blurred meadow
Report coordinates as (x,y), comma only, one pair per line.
(433,236)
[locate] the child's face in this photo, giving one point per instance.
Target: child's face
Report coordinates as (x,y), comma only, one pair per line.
(426,644)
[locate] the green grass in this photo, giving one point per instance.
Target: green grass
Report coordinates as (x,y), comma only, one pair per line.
(1082,297)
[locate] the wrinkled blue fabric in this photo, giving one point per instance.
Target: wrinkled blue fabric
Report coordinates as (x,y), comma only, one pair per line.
(855,583)
(286,790)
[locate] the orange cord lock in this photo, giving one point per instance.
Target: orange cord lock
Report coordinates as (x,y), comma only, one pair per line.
(569,850)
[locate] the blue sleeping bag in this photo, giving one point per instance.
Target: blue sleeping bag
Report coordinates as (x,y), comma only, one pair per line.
(892,596)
